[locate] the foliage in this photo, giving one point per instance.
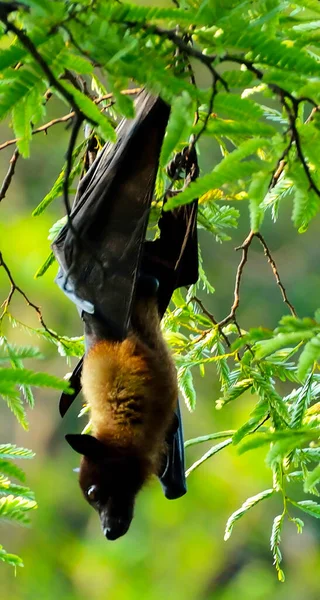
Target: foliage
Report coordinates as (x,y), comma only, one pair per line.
(259,107)
(17,500)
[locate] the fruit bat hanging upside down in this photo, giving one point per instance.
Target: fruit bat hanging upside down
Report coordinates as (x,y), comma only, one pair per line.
(122,285)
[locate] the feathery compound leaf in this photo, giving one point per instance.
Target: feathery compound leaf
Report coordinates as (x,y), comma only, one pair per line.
(282,449)
(24,376)
(10,469)
(131,12)
(185,381)
(269,50)
(234,107)
(214,450)
(15,86)
(6,488)
(179,126)
(92,112)
(308,506)
(206,438)
(310,354)
(12,451)
(257,191)
(258,414)
(15,404)
(265,347)
(45,266)
(283,441)
(57,188)
(303,400)
(21,122)
(312,480)
(10,559)
(275,544)
(249,503)
(10,352)
(15,508)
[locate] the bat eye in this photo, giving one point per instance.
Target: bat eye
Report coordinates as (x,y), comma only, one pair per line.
(92,493)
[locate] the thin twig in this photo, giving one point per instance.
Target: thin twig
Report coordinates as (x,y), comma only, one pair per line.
(276,273)
(72,141)
(292,115)
(245,248)
(15,288)
(68,117)
(210,317)
(10,173)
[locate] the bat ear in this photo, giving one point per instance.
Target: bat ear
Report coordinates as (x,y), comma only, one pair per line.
(86,444)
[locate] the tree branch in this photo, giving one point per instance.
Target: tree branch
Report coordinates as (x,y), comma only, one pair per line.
(68,117)
(276,273)
(240,270)
(10,173)
(15,288)
(210,317)
(245,248)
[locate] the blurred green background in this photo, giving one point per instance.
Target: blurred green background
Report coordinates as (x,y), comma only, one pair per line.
(174,549)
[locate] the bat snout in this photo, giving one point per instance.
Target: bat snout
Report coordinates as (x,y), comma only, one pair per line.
(115,523)
(115,528)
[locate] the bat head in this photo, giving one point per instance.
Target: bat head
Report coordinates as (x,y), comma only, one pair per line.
(110,480)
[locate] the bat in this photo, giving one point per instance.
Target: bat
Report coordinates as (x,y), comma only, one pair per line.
(122,285)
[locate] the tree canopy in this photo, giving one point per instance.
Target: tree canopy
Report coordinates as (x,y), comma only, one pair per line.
(242,79)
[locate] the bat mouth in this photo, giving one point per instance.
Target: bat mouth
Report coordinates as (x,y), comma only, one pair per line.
(116,530)
(114,527)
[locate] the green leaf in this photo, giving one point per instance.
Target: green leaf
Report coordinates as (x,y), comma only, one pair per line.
(21,122)
(24,376)
(15,404)
(275,544)
(266,347)
(57,188)
(9,468)
(309,355)
(76,63)
(214,450)
(12,451)
(15,508)
(257,191)
(312,480)
(92,112)
(45,266)
(288,438)
(6,487)
(235,107)
(11,351)
(249,503)
(308,506)
(10,559)
(206,438)
(303,400)
(185,381)
(257,416)
(178,128)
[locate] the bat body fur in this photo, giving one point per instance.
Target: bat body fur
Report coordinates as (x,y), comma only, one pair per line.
(131,388)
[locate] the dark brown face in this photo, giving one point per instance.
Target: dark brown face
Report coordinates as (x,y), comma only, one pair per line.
(110,482)
(110,486)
